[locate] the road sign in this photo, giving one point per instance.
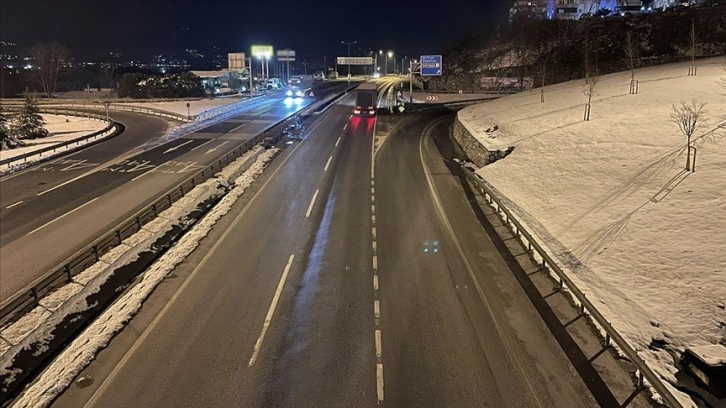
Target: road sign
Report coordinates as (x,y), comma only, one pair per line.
(286,55)
(432,98)
(236,61)
(355,60)
(430,65)
(262,51)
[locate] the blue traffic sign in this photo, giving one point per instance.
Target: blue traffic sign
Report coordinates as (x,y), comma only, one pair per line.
(430,65)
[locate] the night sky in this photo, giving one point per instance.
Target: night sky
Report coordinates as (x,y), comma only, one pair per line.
(138,29)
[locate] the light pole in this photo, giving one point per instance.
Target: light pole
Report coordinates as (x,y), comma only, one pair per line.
(389,55)
(349,44)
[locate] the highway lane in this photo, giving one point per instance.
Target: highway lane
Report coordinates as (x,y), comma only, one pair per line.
(457,329)
(408,314)
(318,348)
(77,205)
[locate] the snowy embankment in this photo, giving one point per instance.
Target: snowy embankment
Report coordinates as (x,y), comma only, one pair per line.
(61,128)
(37,326)
(609,198)
(180,107)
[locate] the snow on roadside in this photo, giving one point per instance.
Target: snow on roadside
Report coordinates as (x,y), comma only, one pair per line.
(609,199)
(62,128)
(180,107)
(61,372)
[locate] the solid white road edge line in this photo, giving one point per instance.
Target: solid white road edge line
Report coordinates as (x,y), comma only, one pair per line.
(312,203)
(271,311)
(56,219)
(469,269)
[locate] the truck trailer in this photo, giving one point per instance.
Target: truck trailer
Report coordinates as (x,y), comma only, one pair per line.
(365,100)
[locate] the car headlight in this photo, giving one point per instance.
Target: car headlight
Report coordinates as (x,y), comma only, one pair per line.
(289,93)
(298,93)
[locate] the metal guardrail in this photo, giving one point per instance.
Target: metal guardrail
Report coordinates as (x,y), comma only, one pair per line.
(86,257)
(73,143)
(585,305)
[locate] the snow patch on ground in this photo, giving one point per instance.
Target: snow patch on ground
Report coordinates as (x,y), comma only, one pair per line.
(81,351)
(610,200)
(60,131)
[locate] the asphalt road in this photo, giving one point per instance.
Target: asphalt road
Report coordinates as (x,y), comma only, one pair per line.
(330,286)
(54,209)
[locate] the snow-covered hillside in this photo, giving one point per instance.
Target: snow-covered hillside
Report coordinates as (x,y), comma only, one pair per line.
(611,199)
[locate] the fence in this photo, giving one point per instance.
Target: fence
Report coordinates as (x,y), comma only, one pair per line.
(86,257)
(585,305)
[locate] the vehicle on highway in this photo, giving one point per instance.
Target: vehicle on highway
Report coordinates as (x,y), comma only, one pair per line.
(318,76)
(294,90)
(365,100)
(295,80)
(333,75)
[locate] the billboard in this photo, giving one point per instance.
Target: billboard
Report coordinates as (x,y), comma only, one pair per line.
(262,51)
(236,61)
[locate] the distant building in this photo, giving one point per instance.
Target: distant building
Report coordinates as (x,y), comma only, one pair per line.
(534,9)
(223,81)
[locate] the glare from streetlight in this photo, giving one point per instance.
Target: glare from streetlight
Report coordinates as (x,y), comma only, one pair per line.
(390,54)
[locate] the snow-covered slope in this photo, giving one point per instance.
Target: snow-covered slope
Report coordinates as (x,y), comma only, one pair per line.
(610,197)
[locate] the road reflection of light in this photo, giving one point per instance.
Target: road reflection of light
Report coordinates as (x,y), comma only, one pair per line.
(302,312)
(371,122)
(355,122)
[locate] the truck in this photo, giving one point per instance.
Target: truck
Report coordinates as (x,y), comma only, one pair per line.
(365,99)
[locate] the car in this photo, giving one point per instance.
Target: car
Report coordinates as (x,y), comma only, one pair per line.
(333,75)
(295,80)
(318,76)
(295,90)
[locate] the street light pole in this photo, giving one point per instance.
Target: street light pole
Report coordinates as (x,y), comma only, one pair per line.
(390,55)
(349,44)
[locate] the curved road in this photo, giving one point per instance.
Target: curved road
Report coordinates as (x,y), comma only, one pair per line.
(335,284)
(52,210)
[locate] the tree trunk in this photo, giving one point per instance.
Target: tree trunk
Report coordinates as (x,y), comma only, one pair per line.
(688,152)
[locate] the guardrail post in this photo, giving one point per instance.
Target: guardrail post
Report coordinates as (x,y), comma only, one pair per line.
(34,294)
(607,340)
(640,379)
(529,246)
(118,236)
(544,264)
(95,252)
(194,183)
(582,310)
(168,197)
(181,189)
(138,223)
(153,208)
(67,271)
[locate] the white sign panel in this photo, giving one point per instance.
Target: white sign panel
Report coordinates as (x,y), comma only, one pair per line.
(355,60)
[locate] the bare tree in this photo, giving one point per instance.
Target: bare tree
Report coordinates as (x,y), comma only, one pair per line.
(631,55)
(692,48)
(50,59)
(589,88)
(690,118)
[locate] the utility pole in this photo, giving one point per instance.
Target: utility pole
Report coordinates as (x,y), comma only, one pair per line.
(349,44)
(252,88)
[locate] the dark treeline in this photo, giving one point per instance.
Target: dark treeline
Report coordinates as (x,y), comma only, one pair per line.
(555,51)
